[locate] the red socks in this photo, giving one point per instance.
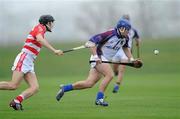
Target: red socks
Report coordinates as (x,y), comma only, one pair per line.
(19,98)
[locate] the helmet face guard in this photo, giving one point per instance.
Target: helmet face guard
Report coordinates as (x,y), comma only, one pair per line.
(47,28)
(123,25)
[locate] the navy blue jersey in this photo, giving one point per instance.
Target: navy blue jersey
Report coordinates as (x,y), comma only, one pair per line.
(109,42)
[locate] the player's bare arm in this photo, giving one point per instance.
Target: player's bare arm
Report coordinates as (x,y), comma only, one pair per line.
(45,43)
(127,51)
(94,53)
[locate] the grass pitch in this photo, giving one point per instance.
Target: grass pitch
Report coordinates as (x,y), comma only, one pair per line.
(148,93)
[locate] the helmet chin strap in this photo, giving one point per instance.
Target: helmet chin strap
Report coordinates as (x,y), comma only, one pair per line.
(119,32)
(122,30)
(47,28)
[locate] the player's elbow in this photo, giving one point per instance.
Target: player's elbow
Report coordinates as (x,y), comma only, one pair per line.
(111,76)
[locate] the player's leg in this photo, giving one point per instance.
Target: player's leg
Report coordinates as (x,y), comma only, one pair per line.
(93,77)
(14,83)
(115,69)
(119,78)
(31,80)
(119,69)
(33,88)
(106,70)
(17,77)
(117,58)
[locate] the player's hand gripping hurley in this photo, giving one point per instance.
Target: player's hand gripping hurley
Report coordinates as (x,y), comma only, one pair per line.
(135,63)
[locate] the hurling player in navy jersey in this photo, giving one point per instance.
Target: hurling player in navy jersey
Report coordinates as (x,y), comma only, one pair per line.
(121,56)
(105,47)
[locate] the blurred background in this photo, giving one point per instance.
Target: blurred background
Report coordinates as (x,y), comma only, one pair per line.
(77,20)
(157,22)
(151,92)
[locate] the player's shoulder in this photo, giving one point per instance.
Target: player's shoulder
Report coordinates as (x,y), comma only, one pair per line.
(40,28)
(109,32)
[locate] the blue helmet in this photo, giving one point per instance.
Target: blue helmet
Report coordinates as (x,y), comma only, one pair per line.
(123,23)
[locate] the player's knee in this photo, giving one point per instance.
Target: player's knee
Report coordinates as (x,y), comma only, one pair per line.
(121,72)
(35,89)
(13,86)
(122,69)
(110,76)
(90,84)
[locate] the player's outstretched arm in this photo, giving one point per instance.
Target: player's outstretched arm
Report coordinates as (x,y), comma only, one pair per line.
(46,44)
(128,53)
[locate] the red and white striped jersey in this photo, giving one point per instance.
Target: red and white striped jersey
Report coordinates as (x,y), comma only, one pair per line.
(31,45)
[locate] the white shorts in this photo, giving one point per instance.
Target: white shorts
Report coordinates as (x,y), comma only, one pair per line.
(24,62)
(119,56)
(93,64)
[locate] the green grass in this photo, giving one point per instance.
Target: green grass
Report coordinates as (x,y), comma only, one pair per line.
(148,93)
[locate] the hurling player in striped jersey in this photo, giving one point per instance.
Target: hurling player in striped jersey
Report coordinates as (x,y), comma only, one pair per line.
(23,67)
